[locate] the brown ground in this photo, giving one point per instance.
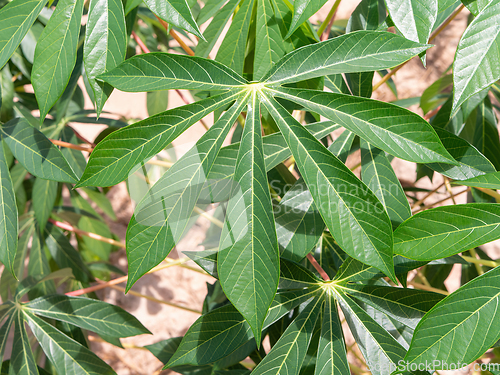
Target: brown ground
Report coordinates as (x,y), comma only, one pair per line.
(187,288)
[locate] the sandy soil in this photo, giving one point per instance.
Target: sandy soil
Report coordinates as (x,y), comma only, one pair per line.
(188,288)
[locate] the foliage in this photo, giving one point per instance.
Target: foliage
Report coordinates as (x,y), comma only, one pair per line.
(302,243)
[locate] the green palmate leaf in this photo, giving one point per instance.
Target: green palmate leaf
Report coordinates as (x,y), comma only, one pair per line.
(35,152)
(354,215)
(444,231)
(66,355)
(332,358)
(287,355)
(175,12)
(22,361)
(302,11)
(214,30)
(391,128)
(414,18)
(476,6)
(161,217)
(16,19)
(269,46)
(5,330)
(298,223)
(407,306)
(64,253)
(378,175)
(44,197)
(488,181)
(476,64)
(96,316)
(105,44)
(232,50)
(381,350)
(39,266)
(276,151)
(486,137)
(8,216)
(209,10)
(368,15)
(121,152)
(55,54)
(461,327)
(472,162)
(248,259)
(163,71)
(353,270)
(360,51)
(206,340)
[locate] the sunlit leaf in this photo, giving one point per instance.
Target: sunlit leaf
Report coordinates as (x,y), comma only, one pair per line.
(55,54)
(248,254)
(444,231)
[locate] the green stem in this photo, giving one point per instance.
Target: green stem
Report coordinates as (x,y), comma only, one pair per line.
(328,17)
(484,262)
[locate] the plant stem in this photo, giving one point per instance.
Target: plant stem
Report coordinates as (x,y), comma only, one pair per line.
(122,279)
(328,19)
(420,201)
(490,192)
(484,262)
(119,288)
(174,35)
(446,23)
(441,201)
(80,232)
(71,145)
(317,267)
(479,269)
(140,43)
(428,288)
(448,188)
(432,37)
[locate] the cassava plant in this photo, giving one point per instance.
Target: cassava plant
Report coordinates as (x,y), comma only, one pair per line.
(299,244)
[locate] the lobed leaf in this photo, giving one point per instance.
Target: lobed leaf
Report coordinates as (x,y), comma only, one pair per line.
(476,61)
(287,355)
(66,355)
(105,45)
(175,12)
(8,216)
(248,259)
(161,217)
(488,181)
(55,54)
(121,152)
(349,209)
(413,18)
(16,18)
(391,128)
(360,51)
(22,361)
(35,152)
(93,315)
(460,328)
(443,231)
(163,71)
(406,306)
(378,175)
(206,340)
(269,46)
(472,162)
(332,356)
